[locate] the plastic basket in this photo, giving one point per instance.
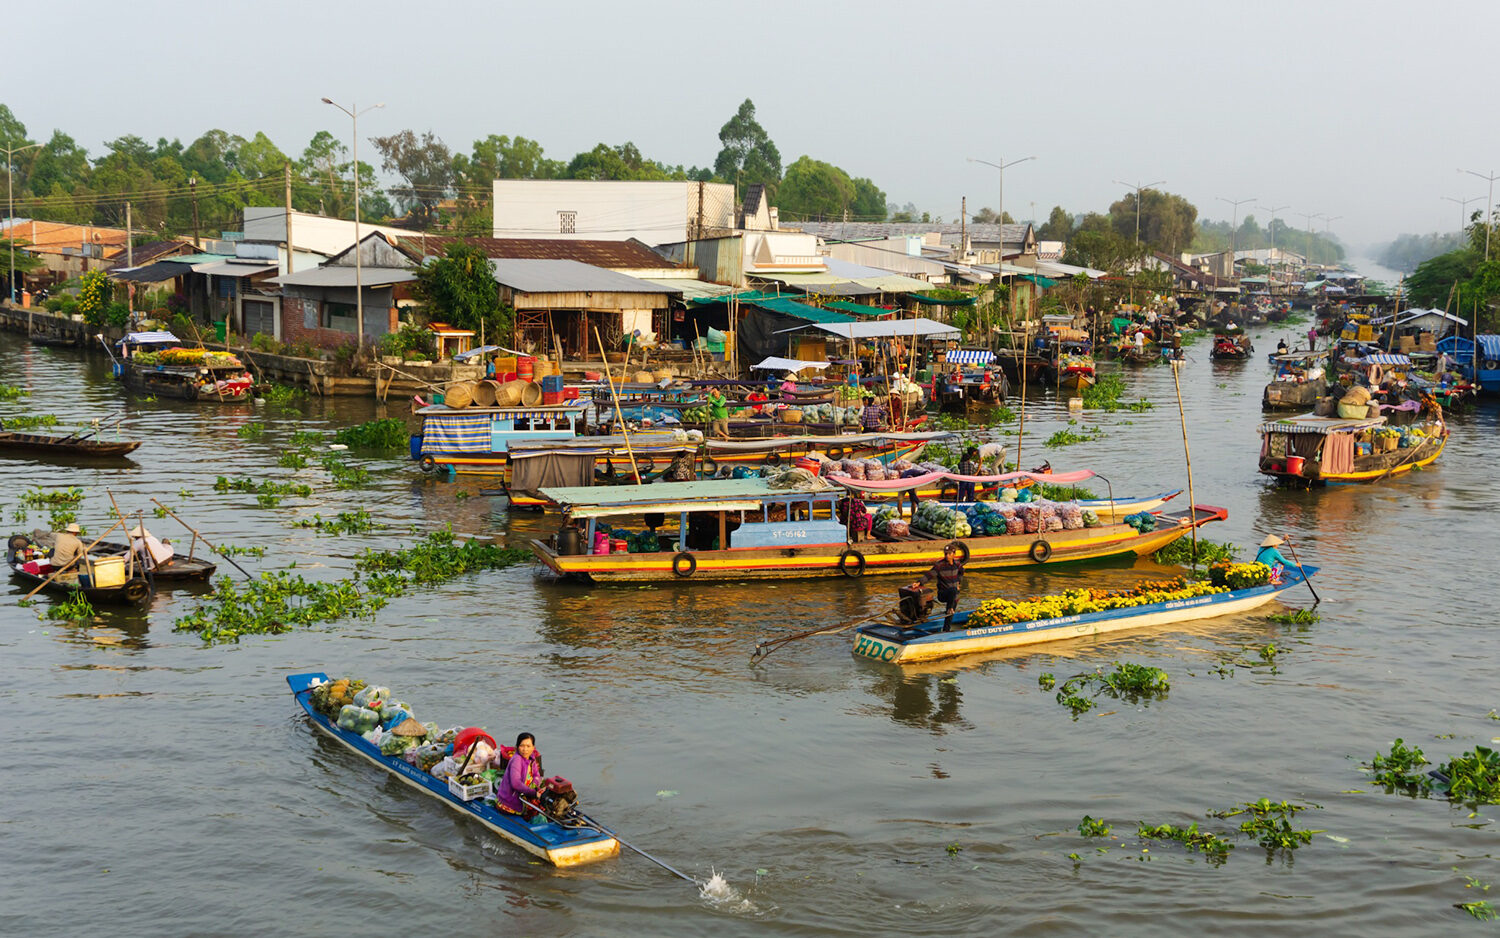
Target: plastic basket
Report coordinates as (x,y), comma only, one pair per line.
(470,792)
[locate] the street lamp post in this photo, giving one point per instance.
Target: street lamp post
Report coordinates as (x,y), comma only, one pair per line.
(1000,212)
(1271,227)
(359,279)
(1327,221)
(1234,229)
(1489,206)
(10,215)
(1307,261)
(1463,208)
(1138,187)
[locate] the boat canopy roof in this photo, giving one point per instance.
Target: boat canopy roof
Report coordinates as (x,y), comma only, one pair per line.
(160,336)
(707,495)
(1302,356)
(539,410)
(615,445)
(1311,423)
(821,442)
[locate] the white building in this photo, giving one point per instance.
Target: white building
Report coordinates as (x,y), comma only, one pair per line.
(651,212)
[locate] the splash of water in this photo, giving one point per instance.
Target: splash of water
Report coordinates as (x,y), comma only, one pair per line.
(716,890)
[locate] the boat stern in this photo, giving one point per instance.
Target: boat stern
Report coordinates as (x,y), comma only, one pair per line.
(875,648)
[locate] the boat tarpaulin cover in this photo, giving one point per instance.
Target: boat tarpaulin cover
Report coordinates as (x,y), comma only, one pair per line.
(787,364)
(456,433)
(893,485)
(1383,358)
(970,356)
(148,338)
(1489,347)
(551,468)
(1307,423)
(883,328)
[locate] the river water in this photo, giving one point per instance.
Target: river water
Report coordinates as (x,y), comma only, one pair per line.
(163,786)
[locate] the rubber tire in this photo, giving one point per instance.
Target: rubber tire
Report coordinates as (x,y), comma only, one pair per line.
(1040,551)
(136,589)
(859,570)
(710,466)
(835,453)
(773,459)
(692,564)
(427,463)
(963,550)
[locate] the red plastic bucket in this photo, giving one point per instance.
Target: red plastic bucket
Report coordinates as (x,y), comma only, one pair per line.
(525,367)
(1294,465)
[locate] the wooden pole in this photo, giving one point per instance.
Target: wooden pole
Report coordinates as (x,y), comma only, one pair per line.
(205,540)
(129,553)
(1192,498)
(60,570)
(619,415)
(1021,433)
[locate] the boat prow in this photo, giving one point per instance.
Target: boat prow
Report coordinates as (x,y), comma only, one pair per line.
(557,844)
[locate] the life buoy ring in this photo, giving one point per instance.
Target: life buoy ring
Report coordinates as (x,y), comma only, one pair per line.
(684,559)
(427,463)
(835,453)
(136,589)
(859,568)
(1040,551)
(773,459)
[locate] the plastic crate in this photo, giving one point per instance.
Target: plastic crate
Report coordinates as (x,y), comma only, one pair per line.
(553,398)
(552,383)
(470,792)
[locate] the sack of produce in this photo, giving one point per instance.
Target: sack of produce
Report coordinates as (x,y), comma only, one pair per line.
(1009,495)
(1090,518)
(901,465)
(364,697)
(1031,518)
(1051,519)
(348,715)
(1072,516)
(898,528)
(874,469)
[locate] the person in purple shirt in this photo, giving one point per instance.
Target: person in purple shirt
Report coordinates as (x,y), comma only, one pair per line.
(523,776)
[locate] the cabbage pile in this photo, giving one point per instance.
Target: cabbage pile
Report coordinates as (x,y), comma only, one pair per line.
(888,523)
(1142,521)
(985,518)
(831,413)
(943,522)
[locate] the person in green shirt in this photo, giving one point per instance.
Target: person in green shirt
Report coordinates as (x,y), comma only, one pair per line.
(718,414)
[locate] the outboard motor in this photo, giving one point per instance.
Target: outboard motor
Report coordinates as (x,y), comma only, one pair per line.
(916,603)
(558,800)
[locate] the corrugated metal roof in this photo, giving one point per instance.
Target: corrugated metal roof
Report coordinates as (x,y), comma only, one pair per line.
(600,253)
(949,232)
(344,277)
(548,275)
(232,269)
(629,496)
(692,289)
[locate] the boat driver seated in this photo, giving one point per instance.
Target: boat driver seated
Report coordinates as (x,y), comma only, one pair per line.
(153,552)
(66,547)
(1281,347)
(1271,557)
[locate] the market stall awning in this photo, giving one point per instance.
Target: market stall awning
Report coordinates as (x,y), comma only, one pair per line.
(1307,423)
(1489,347)
(692,289)
(1383,358)
(884,328)
(969,356)
(860,309)
(786,364)
(148,338)
(788,307)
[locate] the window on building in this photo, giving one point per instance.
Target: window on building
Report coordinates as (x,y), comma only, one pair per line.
(567,222)
(340,316)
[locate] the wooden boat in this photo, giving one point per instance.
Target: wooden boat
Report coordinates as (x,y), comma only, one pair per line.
(123,581)
(1226,348)
(1074,375)
(1149,354)
(1311,450)
(925,641)
(1106,508)
(149,364)
(556,843)
(780,534)
(1301,378)
(15,445)
(478,439)
(177,569)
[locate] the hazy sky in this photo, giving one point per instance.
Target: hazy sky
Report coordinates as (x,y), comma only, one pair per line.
(1351,108)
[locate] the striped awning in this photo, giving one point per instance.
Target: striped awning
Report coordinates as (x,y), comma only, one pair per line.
(456,433)
(970,356)
(1384,358)
(1489,347)
(148,338)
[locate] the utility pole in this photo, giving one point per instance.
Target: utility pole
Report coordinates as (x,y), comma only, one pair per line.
(129,261)
(1002,166)
(359,277)
(700,210)
(287,178)
(963,226)
(193,188)
(1234,230)
(10,221)
(1271,227)
(1463,209)
(1307,261)
(1489,207)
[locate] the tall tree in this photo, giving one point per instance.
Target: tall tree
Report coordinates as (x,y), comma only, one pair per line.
(461,290)
(426,164)
(1167,221)
(1058,227)
(746,154)
(869,201)
(814,189)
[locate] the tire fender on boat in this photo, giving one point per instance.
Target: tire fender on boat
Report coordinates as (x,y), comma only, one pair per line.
(835,453)
(1040,551)
(710,465)
(773,459)
(136,589)
(962,548)
(427,463)
(684,559)
(859,562)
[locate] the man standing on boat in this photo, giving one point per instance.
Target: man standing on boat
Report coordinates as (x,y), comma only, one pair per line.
(718,414)
(949,573)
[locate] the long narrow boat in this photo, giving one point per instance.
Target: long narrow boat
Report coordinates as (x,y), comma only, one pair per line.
(926,640)
(769,533)
(153,363)
(557,844)
(15,445)
(109,580)
(178,569)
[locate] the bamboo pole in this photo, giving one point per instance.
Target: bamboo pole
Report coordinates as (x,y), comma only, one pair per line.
(1187,453)
(60,570)
(619,415)
(1021,432)
(205,540)
(129,552)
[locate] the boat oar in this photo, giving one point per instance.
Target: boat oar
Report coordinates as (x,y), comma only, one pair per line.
(764,649)
(575,813)
(1292,547)
(97,427)
(202,538)
(60,570)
